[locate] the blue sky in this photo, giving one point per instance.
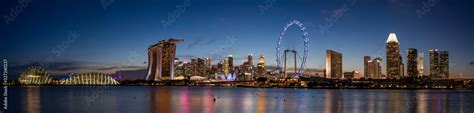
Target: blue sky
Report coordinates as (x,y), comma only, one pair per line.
(117,32)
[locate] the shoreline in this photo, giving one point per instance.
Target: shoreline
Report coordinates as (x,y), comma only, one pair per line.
(358,88)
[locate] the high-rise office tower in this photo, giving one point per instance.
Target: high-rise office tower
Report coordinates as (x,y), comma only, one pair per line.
(201,68)
(225,67)
(220,67)
(420,62)
(373,67)
(434,63)
(444,64)
(231,63)
(207,67)
(249,64)
(333,64)
(393,56)
(194,67)
(161,59)
(366,66)
(402,67)
(412,65)
(250,60)
(261,66)
(376,68)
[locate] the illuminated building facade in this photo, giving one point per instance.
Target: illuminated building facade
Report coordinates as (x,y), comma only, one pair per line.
(374,68)
(444,64)
(161,59)
(201,68)
(352,75)
(250,60)
(225,67)
(261,66)
(434,63)
(393,56)
(207,65)
(91,79)
(366,66)
(402,66)
(412,65)
(420,62)
(230,60)
(333,64)
(34,76)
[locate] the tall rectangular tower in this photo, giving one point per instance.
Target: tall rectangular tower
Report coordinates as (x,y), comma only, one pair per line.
(393,56)
(366,66)
(261,66)
(420,61)
(444,64)
(412,65)
(333,64)
(434,63)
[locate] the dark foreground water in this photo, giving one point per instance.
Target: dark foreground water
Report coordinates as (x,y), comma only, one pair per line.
(140,99)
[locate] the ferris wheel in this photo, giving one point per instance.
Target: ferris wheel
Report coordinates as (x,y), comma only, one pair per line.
(305,51)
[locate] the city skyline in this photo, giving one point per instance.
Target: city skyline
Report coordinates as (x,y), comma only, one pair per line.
(96,48)
(237,56)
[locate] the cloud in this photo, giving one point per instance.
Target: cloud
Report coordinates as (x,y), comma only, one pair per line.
(64,67)
(194,43)
(120,68)
(471,63)
(59,66)
(209,42)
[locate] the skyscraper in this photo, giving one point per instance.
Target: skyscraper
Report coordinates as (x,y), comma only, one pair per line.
(366,66)
(412,65)
(333,64)
(249,65)
(444,64)
(376,66)
(207,64)
(434,63)
(261,66)
(420,62)
(402,67)
(231,63)
(373,67)
(250,60)
(201,68)
(161,59)
(393,56)
(194,67)
(225,67)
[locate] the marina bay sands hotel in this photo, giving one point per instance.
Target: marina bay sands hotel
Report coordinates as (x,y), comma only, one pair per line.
(161,59)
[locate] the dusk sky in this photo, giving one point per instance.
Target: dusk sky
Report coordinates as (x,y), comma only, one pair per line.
(110,35)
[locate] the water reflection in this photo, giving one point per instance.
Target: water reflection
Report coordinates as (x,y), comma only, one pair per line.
(32,100)
(237,100)
(160,100)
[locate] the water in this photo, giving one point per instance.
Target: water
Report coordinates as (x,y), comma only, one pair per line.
(141,99)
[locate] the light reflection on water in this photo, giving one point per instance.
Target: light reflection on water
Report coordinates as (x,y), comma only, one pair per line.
(138,99)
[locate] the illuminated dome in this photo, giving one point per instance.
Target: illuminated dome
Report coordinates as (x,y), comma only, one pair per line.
(34,76)
(91,79)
